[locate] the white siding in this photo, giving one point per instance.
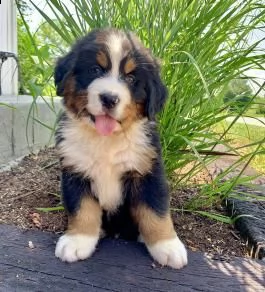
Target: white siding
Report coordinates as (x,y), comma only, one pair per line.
(8,42)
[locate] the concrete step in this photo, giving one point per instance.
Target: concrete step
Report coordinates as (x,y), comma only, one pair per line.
(20,133)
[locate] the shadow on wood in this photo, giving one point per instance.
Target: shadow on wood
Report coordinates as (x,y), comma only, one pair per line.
(116,266)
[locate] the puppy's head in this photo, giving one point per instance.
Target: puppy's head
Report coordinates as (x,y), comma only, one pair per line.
(110,80)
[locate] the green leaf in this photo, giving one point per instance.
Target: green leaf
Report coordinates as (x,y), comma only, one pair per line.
(51,209)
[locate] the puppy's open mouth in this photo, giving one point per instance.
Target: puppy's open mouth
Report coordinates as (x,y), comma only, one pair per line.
(104,124)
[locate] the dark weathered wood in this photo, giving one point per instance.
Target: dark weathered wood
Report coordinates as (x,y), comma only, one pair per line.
(116,266)
(252,229)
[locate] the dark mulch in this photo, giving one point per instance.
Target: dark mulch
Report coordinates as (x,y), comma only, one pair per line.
(204,234)
(36,183)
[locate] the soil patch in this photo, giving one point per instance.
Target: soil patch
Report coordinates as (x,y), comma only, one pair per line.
(35,182)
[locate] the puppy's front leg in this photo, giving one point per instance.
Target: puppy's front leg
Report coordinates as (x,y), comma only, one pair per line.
(84,219)
(82,235)
(157,232)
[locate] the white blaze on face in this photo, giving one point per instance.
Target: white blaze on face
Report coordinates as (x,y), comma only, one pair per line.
(116,52)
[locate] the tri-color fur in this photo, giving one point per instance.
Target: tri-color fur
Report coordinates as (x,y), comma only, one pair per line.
(112,172)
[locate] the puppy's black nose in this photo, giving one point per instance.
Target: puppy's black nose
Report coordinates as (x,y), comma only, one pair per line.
(109,100)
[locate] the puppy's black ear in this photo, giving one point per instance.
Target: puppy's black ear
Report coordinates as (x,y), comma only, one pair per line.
(62,70)
(156,96)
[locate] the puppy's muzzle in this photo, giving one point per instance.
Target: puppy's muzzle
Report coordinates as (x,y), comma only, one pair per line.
(108,100)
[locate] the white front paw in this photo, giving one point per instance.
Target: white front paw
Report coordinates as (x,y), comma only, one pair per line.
(74,247)
(171,252)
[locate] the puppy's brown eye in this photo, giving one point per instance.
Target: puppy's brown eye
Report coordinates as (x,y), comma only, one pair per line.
(129,78)
(96,70)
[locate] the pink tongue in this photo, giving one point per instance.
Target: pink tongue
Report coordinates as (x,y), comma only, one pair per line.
(105,125)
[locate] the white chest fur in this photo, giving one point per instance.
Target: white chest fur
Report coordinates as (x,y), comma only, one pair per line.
(104,159)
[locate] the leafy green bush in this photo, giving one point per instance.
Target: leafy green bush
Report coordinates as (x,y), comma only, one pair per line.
(238,95)
(203,45)
(37,61)
(261,109)
(236,102)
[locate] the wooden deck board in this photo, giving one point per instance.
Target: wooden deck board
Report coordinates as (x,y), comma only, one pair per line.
(116,266)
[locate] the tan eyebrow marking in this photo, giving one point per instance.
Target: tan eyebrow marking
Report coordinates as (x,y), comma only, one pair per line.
(102,59)
(129,66)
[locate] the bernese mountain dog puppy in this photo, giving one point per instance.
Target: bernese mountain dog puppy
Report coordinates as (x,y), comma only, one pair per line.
(112,171)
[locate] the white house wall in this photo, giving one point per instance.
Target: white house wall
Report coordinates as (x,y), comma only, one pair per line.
(8,42)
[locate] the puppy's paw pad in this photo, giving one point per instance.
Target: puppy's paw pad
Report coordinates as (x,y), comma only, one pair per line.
(171,252)
(71,248)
